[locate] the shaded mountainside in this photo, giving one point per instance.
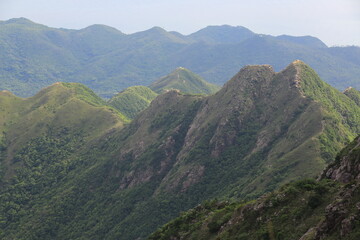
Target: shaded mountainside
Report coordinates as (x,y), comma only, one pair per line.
(304,210)
(261,130)
(133,100)
(185,81)
(108,61)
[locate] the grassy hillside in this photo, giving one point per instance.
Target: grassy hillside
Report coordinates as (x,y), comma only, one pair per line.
(133,100)
(108,61)
(184,80)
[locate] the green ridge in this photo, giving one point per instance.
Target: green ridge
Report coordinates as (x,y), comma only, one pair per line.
(132,100)
(185,81)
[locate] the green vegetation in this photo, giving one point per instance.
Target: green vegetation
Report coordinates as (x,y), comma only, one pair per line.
(133,100)
(108,61)
(71,169)
(306,209)
(345,114)
(279,215)
(185,81)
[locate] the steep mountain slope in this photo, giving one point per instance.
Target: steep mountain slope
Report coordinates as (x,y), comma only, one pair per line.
(184,80)
(133,100)
(326,209)
(39,138)
(262,129)
(107,60)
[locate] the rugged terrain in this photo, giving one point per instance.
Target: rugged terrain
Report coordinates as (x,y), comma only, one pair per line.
(328,208)
(261,130)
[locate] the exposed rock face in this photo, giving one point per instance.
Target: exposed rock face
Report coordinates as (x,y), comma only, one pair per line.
(336,215)
(347,166)
(341,215)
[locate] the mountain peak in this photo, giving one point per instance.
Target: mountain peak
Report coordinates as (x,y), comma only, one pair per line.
(298,62)
(308,41)
(254,75)
(157,29)
(185,81)
(222,34)
(20,20)
(348,89)
(6,93)
(99,28)
(180,68)
(353,94)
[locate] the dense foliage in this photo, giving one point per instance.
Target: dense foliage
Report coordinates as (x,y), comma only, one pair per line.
(71,169)
(133,100)
(281,215)
(306,209)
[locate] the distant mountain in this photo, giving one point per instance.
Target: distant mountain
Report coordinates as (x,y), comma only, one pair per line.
(185,81)
(108,61)
(305,41)
(133,100)
(72,169)
(222,34)
(327,209)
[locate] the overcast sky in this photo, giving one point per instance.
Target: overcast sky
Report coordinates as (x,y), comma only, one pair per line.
(336,22)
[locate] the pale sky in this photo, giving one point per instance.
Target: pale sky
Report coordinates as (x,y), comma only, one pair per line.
(335,22)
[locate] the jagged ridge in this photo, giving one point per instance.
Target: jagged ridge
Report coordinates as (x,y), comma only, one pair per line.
(262,129)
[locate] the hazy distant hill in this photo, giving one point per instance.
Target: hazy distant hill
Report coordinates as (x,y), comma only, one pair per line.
(71,169)
(108,61)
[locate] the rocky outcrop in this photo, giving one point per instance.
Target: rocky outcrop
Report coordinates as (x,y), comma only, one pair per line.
(344,211)
(347,165)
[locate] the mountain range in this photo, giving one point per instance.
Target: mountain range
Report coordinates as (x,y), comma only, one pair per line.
(108,61)
(75,167)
